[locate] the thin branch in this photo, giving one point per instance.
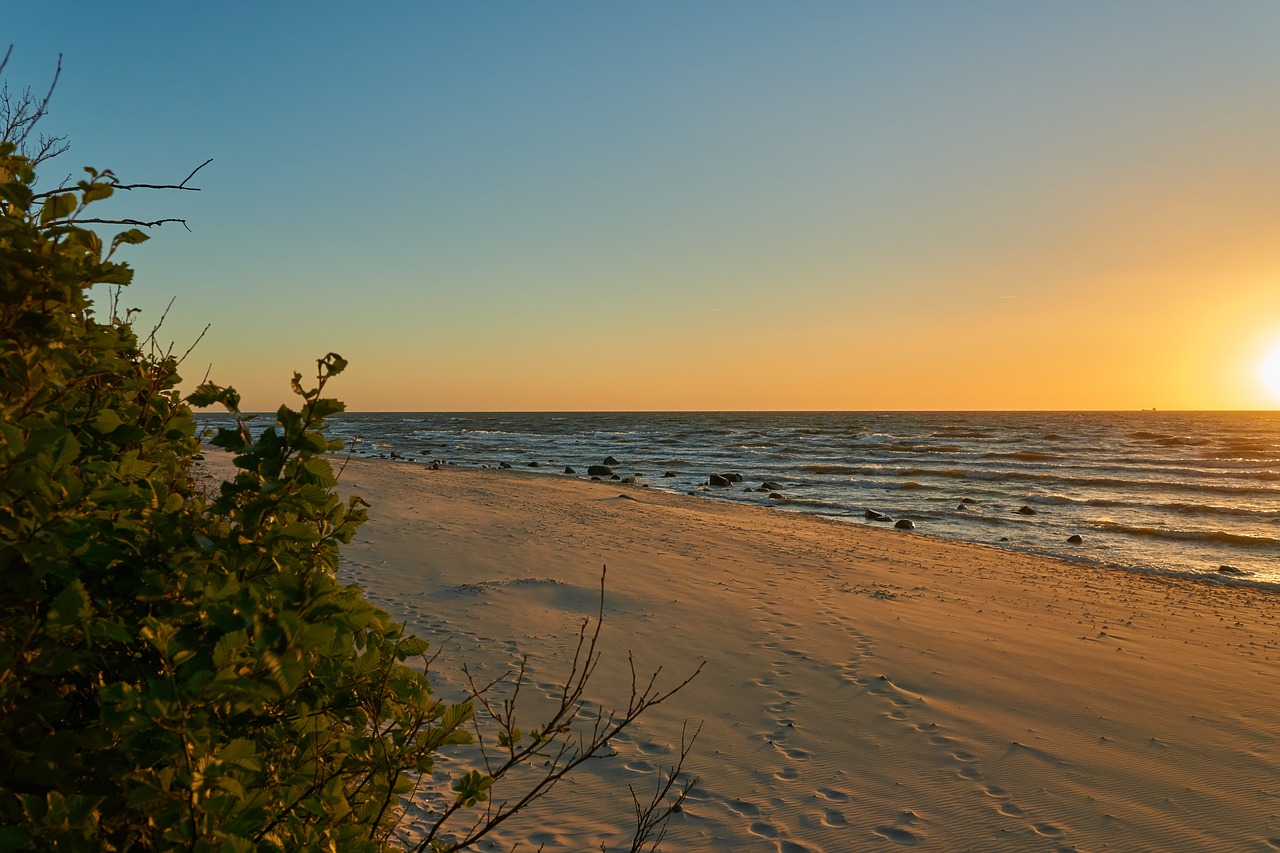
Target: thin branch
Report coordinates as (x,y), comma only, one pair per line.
(181,186)
(195,343)
(561,749)
(44,105)
(5,61)
(652,818)
(153,223)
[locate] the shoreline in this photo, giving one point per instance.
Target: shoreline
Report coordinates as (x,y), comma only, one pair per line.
(1110,491)
(1220,577)
(864,688)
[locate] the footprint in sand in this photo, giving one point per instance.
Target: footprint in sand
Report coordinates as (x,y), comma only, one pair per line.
(795,753)
(787,774)
(832,817)
(835,795)
(973,774)
(764,830)
(793,847)
(638,766)
(648,747)
(898,835)
(1011,810)
(742,808)
(898,832)
(1048,830)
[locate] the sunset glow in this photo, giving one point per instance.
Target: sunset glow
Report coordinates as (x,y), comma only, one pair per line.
(1269,372)
(718,206)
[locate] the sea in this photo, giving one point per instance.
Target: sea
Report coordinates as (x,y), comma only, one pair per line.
(1193,494)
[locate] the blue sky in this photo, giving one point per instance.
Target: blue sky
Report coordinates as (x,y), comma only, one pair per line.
(695,205)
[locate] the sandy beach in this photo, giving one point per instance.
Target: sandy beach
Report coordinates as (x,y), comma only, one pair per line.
(864,688)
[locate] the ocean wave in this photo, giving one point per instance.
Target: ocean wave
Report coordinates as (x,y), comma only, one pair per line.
(918,448)
(1005,475)
(1022,456)
(1190,535)
(881,484)
(1178,507)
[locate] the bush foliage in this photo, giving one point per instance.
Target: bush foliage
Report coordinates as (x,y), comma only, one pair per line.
(180,668)
(176,669)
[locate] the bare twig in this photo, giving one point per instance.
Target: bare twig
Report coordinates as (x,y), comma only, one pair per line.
(31,120)
(652,818)
(181,186)
(137,222)
(196,342)
(559,747)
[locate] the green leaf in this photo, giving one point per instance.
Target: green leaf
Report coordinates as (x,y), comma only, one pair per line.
(132,236)
(106,421)
(411,647)
(95,191)
(70,610)
(58,206)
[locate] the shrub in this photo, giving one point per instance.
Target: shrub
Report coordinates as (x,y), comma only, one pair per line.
(181,669)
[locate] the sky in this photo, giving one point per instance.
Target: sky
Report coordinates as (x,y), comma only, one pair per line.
(627,206)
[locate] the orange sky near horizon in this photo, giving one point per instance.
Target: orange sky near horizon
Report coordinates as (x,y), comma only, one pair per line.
(748,205)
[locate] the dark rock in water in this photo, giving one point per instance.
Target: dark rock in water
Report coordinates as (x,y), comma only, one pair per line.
(534,465)
(1053,436)
(615,477)
(717,480)
(1075,538)
(629,480)
(1026,510)
(748,489)
(731,476)
(609,460)
(569,470)
(962,508)
(504,465)
(769,486)
(905,524)
(967,501)
(670,474)
(876,516)
(1231,570)
(774,496)
(600,471)
(1004,538)
(695,494)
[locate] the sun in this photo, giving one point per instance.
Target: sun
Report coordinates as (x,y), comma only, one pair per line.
(1269,371)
